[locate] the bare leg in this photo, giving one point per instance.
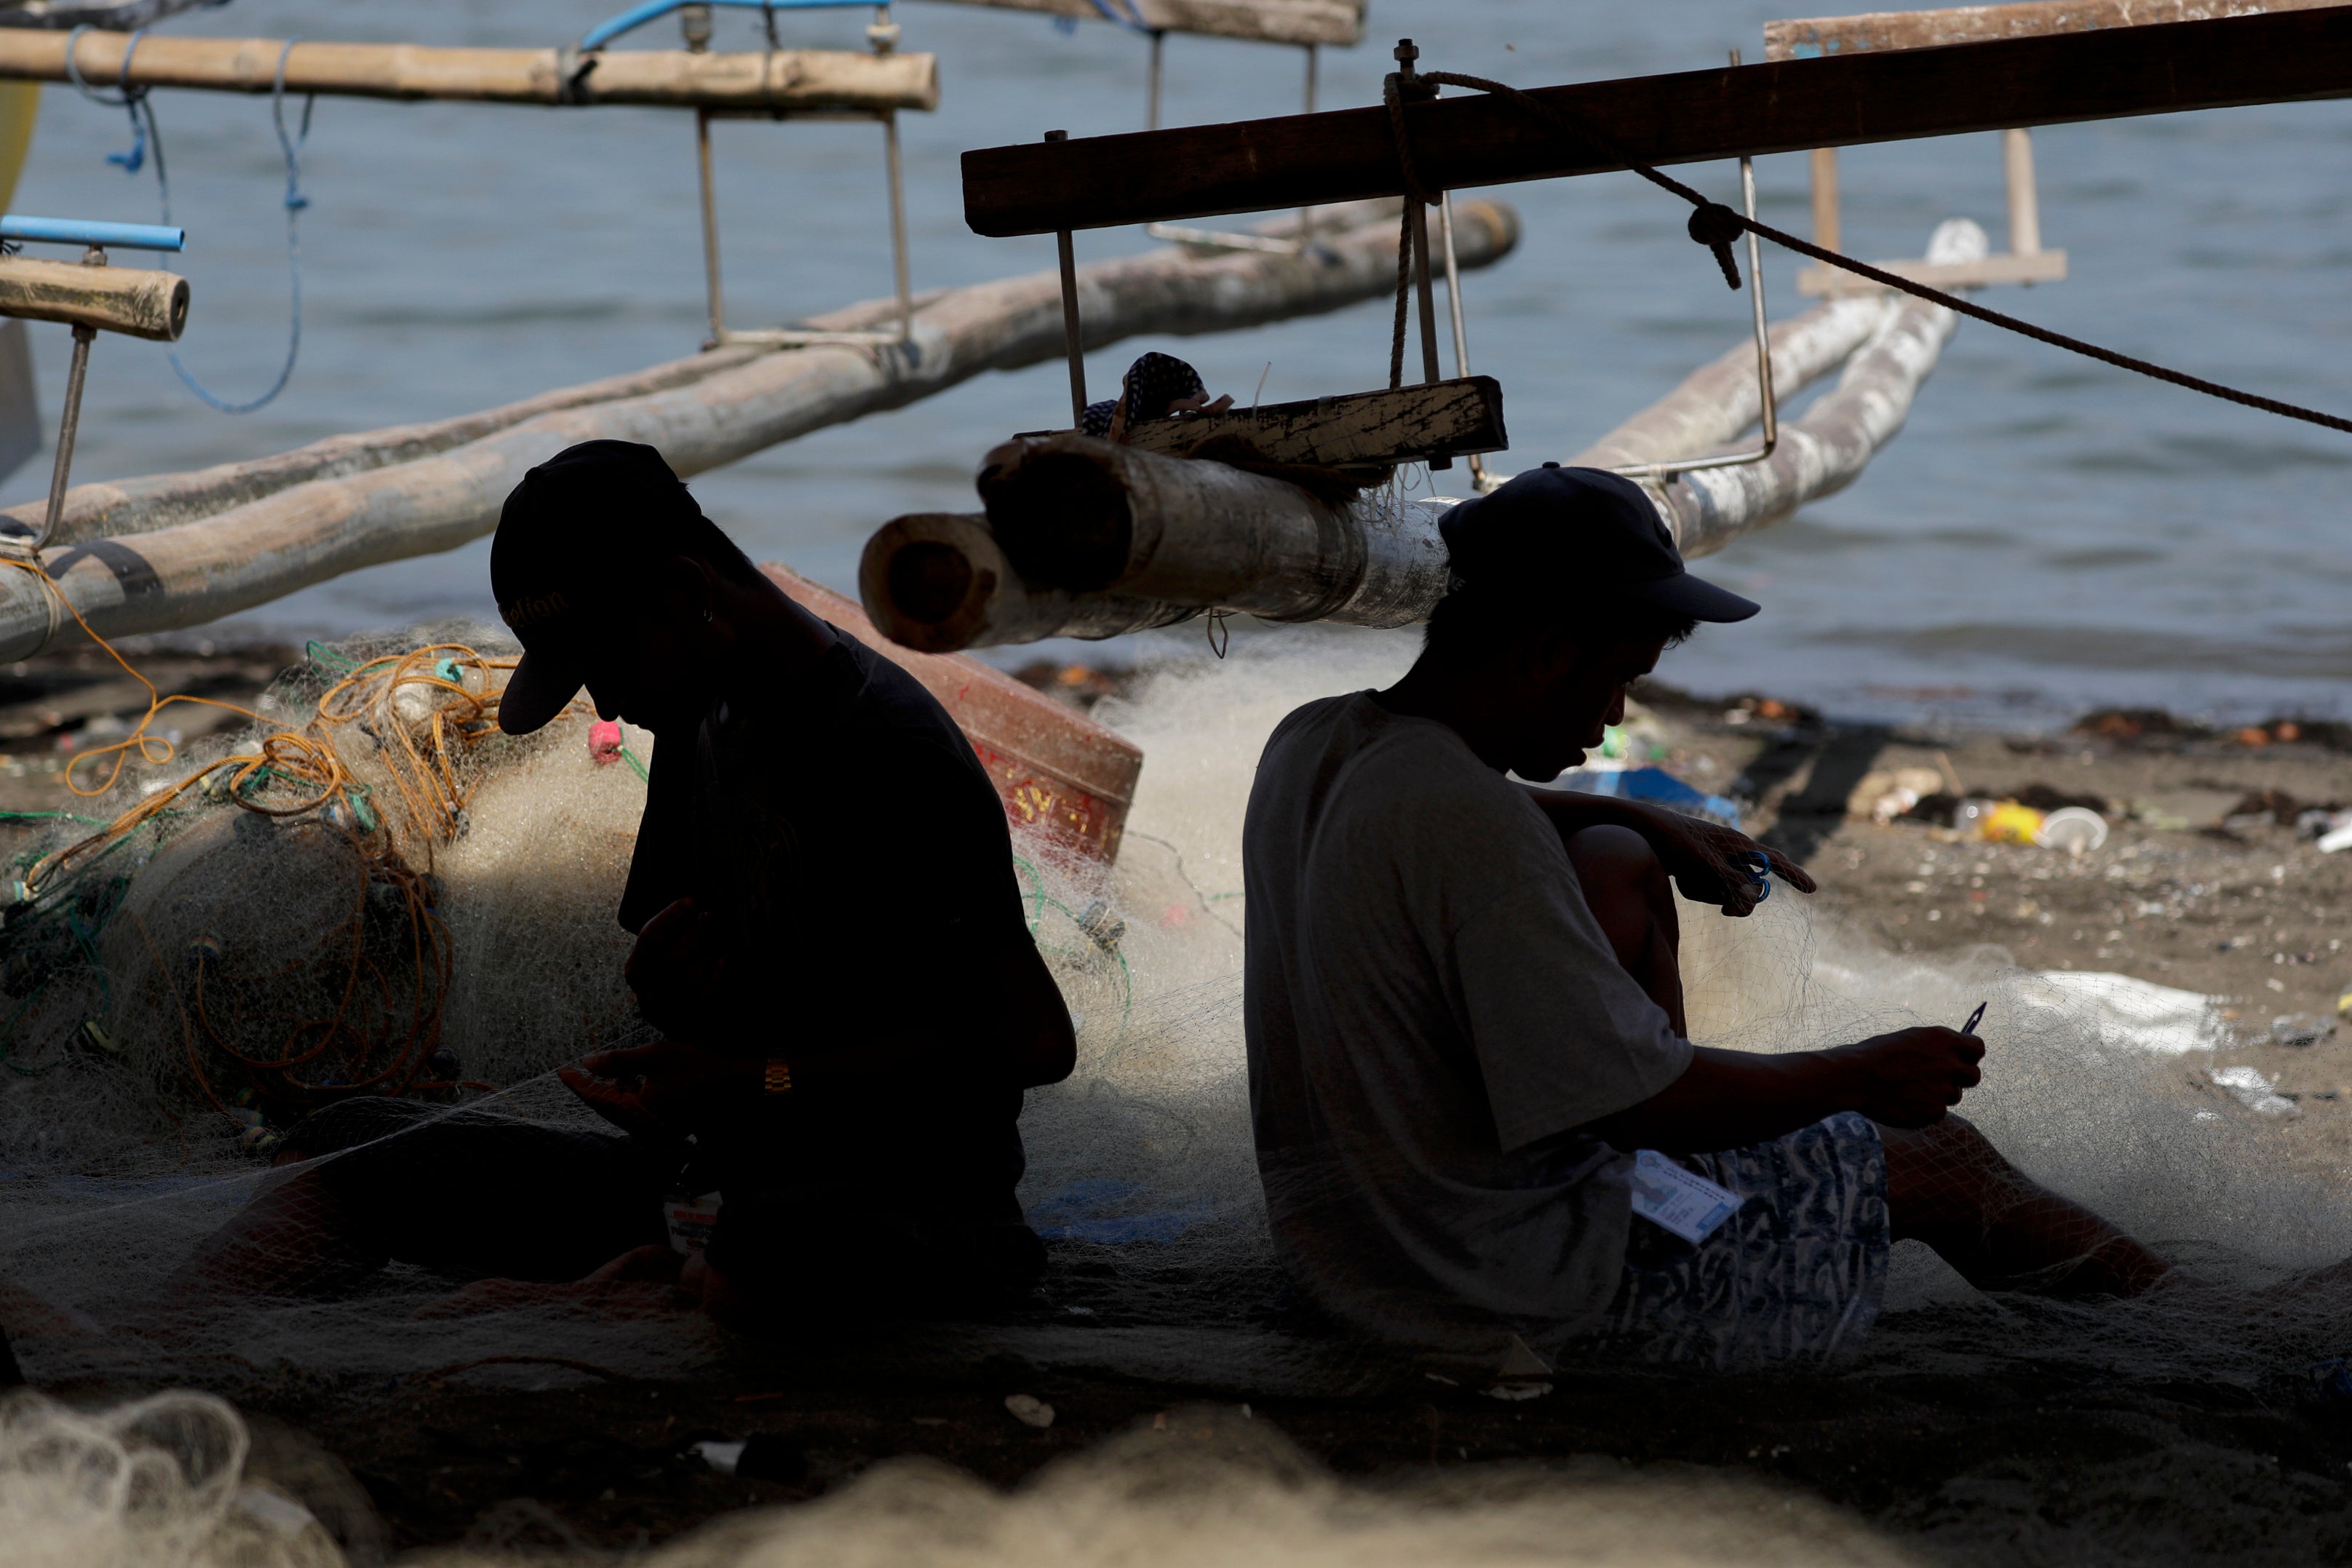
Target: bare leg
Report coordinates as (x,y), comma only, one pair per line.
(1629,893)
(1949,1187)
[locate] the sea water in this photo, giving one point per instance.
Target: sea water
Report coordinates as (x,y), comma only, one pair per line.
(2047,534)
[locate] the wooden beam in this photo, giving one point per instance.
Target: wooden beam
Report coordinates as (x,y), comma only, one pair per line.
(1339,22)
(1433,419)
(807,80)
(1786,105)
(128,299)
(1813,36)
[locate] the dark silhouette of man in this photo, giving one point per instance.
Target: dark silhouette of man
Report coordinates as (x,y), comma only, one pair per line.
(1464,1009)
(830,939)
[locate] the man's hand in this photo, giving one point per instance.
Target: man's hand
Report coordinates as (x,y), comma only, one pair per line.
(1910,1078)
(1706,861)
(665,1090)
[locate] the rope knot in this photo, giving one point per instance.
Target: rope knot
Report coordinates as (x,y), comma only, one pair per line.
(1715,225)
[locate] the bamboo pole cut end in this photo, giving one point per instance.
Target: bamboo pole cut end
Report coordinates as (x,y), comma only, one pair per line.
(134,301)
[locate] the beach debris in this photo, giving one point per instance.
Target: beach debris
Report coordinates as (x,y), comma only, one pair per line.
(2186,810)
(2344,1005)
(2338,835)
(2301,1028)
(1998,822)
(2136,1014)
(2077,830)
(2255,1090)
(1886,794)
(1030,1410)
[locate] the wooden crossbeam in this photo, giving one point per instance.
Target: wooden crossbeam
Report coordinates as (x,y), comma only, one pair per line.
(783,80)
(1408,425)
(1339,22)
(1785,106)
(1811,36)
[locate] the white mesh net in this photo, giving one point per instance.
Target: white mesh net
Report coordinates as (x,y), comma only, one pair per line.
(214,948)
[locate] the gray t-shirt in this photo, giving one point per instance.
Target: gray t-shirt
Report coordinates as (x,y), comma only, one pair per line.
(1431,1010)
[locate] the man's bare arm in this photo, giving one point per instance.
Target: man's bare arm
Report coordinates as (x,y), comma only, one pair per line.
(1728,1098)
(1701,856)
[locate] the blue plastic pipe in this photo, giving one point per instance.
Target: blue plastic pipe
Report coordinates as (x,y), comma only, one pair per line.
(653,10)
(77,231)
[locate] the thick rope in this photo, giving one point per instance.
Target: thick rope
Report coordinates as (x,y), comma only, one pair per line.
(1716,225)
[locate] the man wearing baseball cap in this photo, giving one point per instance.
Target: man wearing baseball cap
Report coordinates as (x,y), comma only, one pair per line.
(1465,1015)
(831,940)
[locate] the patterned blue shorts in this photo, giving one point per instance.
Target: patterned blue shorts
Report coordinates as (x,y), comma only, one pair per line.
(1795,1277)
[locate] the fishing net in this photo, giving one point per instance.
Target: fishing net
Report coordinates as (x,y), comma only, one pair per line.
(372,890)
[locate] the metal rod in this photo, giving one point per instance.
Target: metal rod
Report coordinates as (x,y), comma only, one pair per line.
(1429,371)
(1765,399)
(1151,89)
(69,425)
(709,228)
(898,228)
(1072,342)
(1306,214)
(1767,404)
(1453,308)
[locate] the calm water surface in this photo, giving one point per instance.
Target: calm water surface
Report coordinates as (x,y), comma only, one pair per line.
(2047,534)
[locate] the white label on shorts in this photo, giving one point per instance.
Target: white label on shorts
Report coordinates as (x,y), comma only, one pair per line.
(691,1221)
(1686,1204)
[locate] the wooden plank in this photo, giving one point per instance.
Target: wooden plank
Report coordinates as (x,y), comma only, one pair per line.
(1813,36)
(1058,772)
(786,80)
(129,300)
(2036,267)
(1339,22)
(1433,419)
(1785,106)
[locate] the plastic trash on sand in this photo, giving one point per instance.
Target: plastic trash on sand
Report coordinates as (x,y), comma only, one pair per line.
(1999,821)
(2254,1092)
(2077,830)
(2301,1028)
(2134,1014)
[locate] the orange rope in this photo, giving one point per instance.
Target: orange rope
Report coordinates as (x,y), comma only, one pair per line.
(375,1036)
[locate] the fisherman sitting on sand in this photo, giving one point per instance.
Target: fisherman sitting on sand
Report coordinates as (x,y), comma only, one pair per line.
(831,939)
(1465,1013)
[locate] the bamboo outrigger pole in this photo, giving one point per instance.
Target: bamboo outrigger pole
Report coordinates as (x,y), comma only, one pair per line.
(777,81)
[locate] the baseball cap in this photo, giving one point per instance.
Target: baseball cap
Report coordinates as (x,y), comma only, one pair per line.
(1579,534)
(560,562)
